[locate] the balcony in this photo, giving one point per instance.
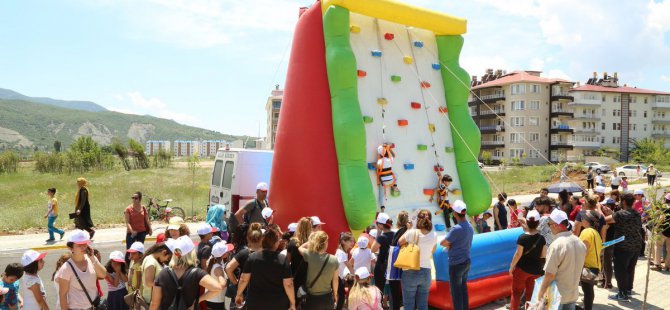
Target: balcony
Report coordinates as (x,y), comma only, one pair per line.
(660,120)
(560,145)
(561,129)
(486,113)
(585,144)
(492,128)
(491,144)
(585,103)
(564,95)
(660,134)
(558,112)
(589,131)
(586,117)
(660,105)
(487,98)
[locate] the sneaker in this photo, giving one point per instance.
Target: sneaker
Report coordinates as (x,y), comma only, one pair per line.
(50,240)
(618,297)
(629,293)
(61,236)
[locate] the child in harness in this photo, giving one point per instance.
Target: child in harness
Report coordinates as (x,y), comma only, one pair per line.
(385,176)
(442,190)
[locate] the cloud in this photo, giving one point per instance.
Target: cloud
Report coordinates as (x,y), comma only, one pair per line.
(665,78)
(135,102)
(145,103)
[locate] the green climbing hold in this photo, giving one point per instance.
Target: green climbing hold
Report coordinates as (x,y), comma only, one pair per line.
(421,147)
(395,78)
(367,119)
(449,149)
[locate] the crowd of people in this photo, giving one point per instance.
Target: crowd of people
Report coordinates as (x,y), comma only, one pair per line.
(251,262)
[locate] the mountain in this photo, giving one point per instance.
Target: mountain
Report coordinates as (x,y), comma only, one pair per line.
(9,94)
(26,124)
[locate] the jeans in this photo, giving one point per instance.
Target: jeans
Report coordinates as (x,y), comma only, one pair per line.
(623,261)
(570,306)
(415,286)
(52,229)
(458,285)
(521,281)
(139,237)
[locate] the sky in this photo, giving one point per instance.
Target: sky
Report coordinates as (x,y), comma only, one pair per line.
(213,63)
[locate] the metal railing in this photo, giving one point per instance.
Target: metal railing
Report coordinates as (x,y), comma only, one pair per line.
(493,96)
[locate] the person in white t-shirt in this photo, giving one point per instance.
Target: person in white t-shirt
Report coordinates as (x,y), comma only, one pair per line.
(415,283)
(362,256)
(32,288)
(345,268)
(599,180)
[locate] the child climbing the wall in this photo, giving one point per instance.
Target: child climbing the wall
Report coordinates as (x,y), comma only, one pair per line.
(442,191)
(385,176)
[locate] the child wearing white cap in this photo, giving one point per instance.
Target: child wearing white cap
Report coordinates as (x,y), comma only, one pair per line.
(362,256)
(362,294)
(116,281)
(32,262)
(135,253)
(220,252)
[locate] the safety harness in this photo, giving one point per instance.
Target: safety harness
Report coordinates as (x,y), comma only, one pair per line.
(385,174)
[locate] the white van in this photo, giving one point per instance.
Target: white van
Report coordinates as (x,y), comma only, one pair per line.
(235,176)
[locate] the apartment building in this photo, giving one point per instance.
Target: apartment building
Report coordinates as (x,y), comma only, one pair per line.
(522,115)
(272,107)
(186,148)
(208,148)
(153,146)
(607,115)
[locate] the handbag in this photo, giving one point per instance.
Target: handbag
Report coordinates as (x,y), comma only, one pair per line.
(135,301)
(303,291)
(72,215)
(409,255)
(98,303)
(393,272)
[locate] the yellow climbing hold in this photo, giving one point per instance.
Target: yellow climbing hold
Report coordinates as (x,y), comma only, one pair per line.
(382,101)
(408,60)
(431,128)
(354,29)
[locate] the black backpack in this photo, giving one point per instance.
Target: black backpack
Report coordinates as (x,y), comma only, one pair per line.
(178,301)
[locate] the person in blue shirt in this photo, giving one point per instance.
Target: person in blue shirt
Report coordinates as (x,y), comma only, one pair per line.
(216,217)
(459,241)
(10,281)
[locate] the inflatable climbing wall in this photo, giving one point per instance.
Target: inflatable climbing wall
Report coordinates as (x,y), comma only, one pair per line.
(363,73)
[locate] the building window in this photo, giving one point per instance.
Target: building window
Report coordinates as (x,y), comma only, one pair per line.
(533,121)
(590,96)
(632,113)
(617,99)
(634,99)
(604,98)
(602,140)
(518,89)
(517,121)
(275,115)
(533,137)
(645,100)
(634,127)
(534,105)
(518,153)
(616,140)
(644,127)
(516,137)
(616,112)
(534,88)
(276,104)
(602,126)
(645,114)
(533,154)
(665,99)
(518,105)
(604,112)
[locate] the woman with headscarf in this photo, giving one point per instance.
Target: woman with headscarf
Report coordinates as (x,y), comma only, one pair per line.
(82,211)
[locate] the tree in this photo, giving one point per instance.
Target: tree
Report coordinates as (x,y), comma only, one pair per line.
(193,165)
(141,160)
(649,151)
(122,152)
(657,224)
(486,157)
(57,146)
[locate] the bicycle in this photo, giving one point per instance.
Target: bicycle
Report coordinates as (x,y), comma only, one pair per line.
(158,212)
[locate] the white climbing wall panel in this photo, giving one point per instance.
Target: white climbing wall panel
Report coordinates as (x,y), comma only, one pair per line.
(412,64)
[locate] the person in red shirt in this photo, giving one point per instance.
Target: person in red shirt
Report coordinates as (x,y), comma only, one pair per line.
(576,207)
(515,213)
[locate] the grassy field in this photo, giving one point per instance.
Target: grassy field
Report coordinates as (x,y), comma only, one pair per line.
(23,198)
(521,180)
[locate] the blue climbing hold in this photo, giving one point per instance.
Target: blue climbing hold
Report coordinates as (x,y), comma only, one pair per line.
(418,43)
(436,66)
(409,166)
(372,166)
(376,53)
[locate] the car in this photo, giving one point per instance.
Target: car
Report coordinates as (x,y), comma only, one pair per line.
(481,165)
(631,171)
(597,167)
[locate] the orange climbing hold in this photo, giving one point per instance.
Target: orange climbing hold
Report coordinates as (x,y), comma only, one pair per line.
(403,122)
(425,84)
(415,105)
(388,36)
(429,191)
(361,73)
(443,110)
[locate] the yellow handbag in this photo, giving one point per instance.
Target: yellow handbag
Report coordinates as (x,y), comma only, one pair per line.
(409,255)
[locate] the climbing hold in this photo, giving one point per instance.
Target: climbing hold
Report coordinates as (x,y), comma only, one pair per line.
(367,119)
(395,78)
(425,84)
(449,149)
(372,166)
(429,191)
(456,191)
(436,66)
(354,29)
(388,36)
(376,53)
(443,110)
(421,147)
(395,193)
(408,166)
(438,168)
(361,73)
(418,43)
(408,60)
(431,128)
(415,105)
(382,101)
(403,122)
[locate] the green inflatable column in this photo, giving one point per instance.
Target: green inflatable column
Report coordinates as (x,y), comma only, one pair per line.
(464,131)
(348,125)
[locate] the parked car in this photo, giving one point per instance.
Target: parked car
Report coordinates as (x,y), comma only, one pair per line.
(598,167)
(631,171)
(481,165)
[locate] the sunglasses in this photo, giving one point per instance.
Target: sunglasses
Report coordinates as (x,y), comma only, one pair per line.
(135,198)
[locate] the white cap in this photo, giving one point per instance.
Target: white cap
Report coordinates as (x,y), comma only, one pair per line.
(600,189)
(205,229)
(316,221)
(373,233)
(4,290)
(79,236)
(380,150)
(117,256)
(262,186)
(383,218)
(30,257)
(175,222)
(558,216)
(267,212)
(459,206)
(362,242)
(533,215)
(221,248)
(638,192)
(170,244)
(292,227)
(362,272)
(137,247)
(184,244)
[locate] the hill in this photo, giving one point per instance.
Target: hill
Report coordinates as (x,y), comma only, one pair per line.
(9,94)
(25,124)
